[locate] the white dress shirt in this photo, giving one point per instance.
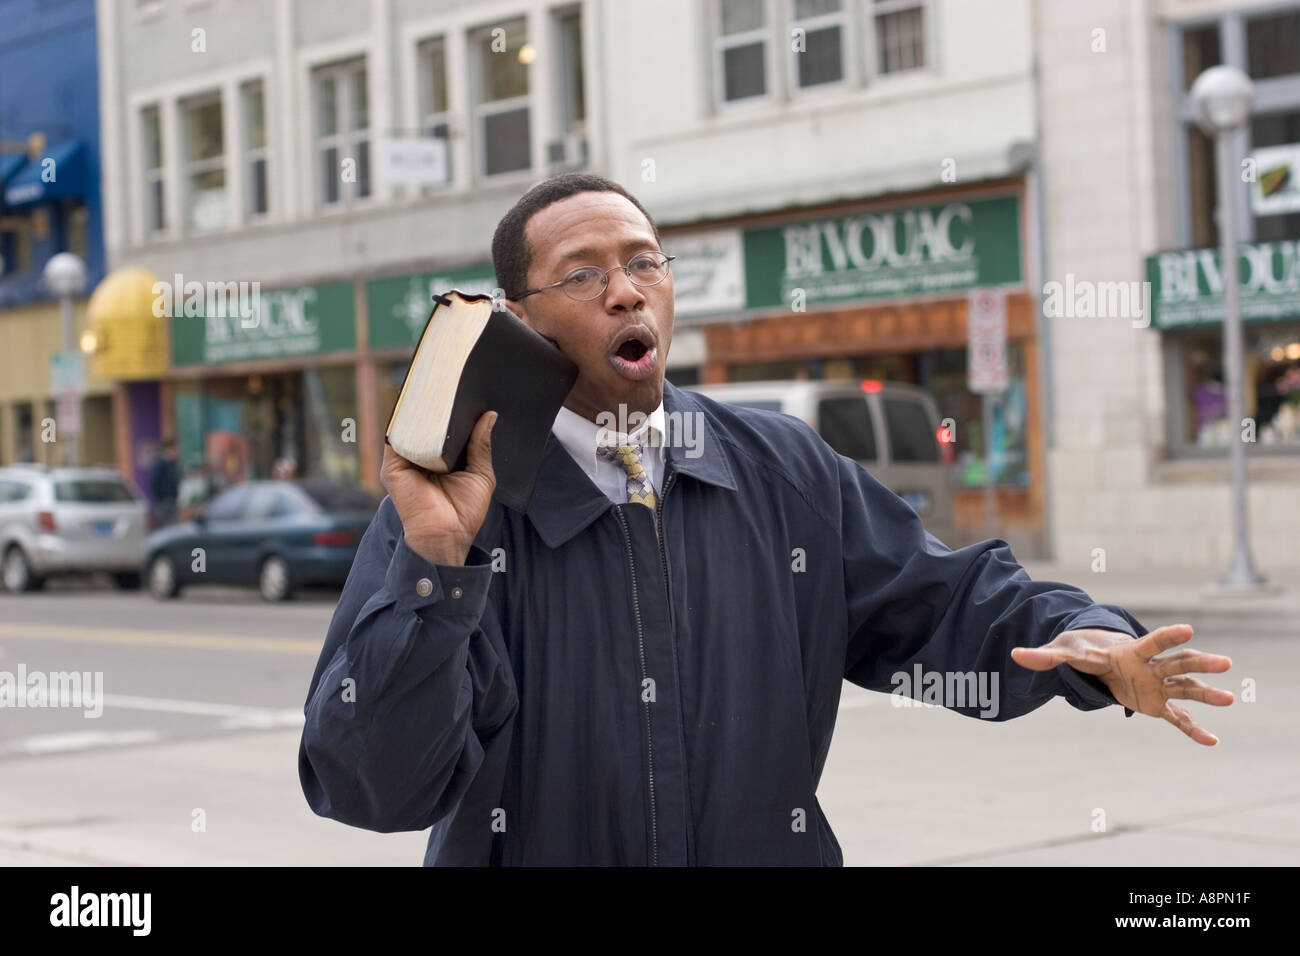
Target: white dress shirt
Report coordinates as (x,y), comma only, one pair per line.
(580,439)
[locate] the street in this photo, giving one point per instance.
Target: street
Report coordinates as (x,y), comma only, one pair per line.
(194,759)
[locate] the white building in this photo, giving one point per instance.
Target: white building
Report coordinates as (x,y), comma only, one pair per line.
(835,176)
(1139,466)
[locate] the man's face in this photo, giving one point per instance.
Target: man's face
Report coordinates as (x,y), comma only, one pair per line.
(620,339)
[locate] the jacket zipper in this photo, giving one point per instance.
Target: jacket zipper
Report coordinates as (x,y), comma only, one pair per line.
(640,643)
(672,612)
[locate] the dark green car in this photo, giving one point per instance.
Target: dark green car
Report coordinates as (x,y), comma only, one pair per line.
(275,535)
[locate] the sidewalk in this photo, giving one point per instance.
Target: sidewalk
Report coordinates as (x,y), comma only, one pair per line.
(1177,596)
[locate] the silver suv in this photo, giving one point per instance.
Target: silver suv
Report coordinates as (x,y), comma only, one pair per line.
(68,521)
(891,429)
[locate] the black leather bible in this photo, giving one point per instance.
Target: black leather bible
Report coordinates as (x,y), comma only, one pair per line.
(472,358)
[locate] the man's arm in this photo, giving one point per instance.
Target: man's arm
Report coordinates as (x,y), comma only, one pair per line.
(411,684)
(912,601)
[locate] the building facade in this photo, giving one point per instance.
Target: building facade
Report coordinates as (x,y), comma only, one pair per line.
(1137,460)
(49,204)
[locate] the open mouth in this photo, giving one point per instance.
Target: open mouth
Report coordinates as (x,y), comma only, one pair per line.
(634,353)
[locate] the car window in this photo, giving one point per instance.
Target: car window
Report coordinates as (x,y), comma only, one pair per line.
(334,498)
(227,505)
(265,501)
(910,434)
(92,490)
(8,491)
(845,424)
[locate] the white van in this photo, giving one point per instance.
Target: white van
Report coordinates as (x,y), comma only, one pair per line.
(892,430)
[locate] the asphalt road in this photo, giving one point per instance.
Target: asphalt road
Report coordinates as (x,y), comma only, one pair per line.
(193,760)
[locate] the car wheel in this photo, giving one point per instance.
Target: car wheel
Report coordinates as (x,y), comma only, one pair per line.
(162,578)
(127,580)
(18,574)
(273,579)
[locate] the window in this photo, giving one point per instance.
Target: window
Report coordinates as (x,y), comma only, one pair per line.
(265,501)
(16,246)
(256,199)
(155,214)
(572,93)
(228,505)
(435,113)
(899,35)
(741,48)
(342,133)
(92,490)
(501,113)
(821,58)
(205,171)
(1277,129)
(1272,388)
(1273,45)
(911,435)
(845,424)
(1200,52)
(73,227)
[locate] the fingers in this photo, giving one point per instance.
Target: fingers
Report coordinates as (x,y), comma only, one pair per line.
(1183,721)
(1188,661)
(1163,638)
(1038,658)
(479,454)
(1189,688)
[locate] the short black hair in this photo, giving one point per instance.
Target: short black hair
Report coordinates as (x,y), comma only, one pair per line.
(510,253)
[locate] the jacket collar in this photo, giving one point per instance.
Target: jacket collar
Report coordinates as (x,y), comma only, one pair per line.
(565,501)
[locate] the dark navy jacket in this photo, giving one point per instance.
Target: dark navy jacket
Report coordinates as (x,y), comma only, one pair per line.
(609,697)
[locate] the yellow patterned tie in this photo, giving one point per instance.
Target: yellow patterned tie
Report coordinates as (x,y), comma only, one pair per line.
(639,489)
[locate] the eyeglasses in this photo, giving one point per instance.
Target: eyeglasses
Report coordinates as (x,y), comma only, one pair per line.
(587,282)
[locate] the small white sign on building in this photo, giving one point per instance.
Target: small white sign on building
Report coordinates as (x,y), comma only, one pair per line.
(986,369)
(412,161)
(708,273)
(68,372)
(1276,189)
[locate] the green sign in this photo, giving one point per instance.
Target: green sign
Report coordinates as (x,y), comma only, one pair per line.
(1187,285)
(229,322)
(400,307)
(923,250)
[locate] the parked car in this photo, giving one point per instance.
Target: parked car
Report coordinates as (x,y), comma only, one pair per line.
(56,521)
(891,429)
(276,535)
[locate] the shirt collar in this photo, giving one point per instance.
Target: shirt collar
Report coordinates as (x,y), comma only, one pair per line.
(581,437)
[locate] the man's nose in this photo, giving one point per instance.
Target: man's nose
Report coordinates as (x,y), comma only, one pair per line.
(622,293)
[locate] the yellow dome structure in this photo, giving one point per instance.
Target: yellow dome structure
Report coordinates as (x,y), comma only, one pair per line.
(126,341)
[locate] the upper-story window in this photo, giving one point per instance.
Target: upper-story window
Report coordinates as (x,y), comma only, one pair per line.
(502,117)
(155,207)
(342,133)
(817,29)
(257,200)
(435,109)
(899,28)
(743,36)
(205,165)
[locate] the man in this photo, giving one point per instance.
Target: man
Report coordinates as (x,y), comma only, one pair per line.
(164,483)
(635,671)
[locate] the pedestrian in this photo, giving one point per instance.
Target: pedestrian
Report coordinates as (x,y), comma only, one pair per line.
(645,667)
(164,483)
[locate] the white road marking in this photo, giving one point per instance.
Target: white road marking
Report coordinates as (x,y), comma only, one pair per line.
(79,740)
(233,717)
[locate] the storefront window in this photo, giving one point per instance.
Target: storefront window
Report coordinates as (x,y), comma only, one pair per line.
(330,437)
(1271,383)
(943,374)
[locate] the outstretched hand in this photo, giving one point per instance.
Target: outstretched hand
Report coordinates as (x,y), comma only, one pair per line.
(1135,675)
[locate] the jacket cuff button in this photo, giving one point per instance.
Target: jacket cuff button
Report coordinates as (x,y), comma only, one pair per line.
(456,593)
(424,587)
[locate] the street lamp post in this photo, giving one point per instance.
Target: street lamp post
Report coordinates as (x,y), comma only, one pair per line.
(1222,97)
(65,276)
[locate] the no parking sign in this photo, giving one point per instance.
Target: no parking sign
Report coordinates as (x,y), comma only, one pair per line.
(986,368)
